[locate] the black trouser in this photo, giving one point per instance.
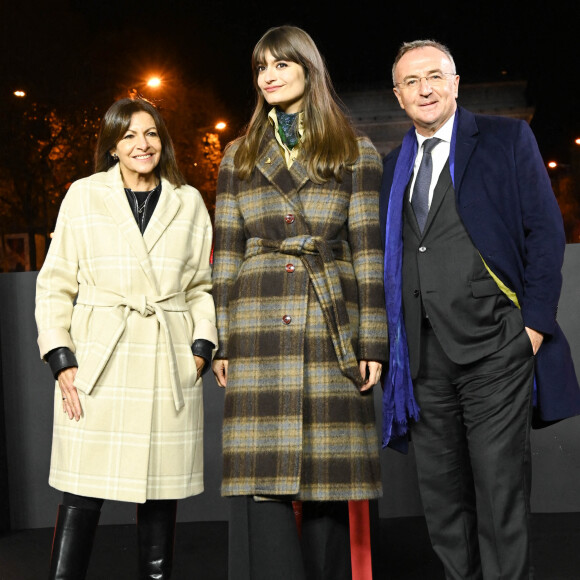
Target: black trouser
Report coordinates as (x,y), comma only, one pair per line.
(472,447)
(264,542)
(156,508)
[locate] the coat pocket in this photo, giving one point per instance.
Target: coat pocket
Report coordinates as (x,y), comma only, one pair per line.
(188,326)
(484,287)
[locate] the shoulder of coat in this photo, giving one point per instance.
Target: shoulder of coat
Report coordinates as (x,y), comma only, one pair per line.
(367,151)
(365,144)
(81,192)
(104,179)
(186,192)
(191,197)
(86,184)
(230,152)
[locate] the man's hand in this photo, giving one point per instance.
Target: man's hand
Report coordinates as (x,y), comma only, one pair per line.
(536,339)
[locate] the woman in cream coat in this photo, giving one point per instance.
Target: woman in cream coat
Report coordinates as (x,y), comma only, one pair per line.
(126,322)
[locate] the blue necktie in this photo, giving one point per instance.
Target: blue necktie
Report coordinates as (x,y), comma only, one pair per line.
(420,198)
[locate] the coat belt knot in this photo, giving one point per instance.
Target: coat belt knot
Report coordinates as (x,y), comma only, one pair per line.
(139,303)
(319,257)
(119,308)
(300,245)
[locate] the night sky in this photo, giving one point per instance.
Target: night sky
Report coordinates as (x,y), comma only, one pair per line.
(80,51)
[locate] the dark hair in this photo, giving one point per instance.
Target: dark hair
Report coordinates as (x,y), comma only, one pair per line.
(329,144)
(408,46)
(114,125)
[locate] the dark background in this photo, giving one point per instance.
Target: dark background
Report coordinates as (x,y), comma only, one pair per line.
(85,51)
(78,53)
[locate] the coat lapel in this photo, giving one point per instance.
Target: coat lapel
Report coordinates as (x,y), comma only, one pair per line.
(117,205)
(443,185)
(467,138)
(409,212)
(411,217)
(272,165)
(167,208)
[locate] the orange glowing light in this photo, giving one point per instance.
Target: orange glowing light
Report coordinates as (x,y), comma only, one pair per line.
(577,141)
(552,165)
(20,94)
(220,126)
(154,82)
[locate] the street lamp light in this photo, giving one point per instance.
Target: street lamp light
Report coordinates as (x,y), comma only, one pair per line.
(154,82)
(20,94)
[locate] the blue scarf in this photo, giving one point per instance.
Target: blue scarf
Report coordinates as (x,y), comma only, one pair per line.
(399,405)
(288,128)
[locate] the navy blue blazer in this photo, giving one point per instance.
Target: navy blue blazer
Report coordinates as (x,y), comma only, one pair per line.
(505,200)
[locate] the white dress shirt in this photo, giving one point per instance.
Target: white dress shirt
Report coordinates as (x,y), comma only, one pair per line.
(439,155)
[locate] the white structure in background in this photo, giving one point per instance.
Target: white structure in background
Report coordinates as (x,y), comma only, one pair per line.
(376,112)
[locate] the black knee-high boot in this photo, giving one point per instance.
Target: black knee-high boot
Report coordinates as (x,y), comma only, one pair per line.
(156,535)
(72,543)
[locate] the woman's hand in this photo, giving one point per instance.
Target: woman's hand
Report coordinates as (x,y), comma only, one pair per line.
(373,369)
(220,370)
(70,398)
(199,364)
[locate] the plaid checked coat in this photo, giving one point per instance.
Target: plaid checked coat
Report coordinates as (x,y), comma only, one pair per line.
(297,279)
(131,307)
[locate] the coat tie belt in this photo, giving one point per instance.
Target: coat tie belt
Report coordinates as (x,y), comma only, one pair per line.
(320,257)
(119,308)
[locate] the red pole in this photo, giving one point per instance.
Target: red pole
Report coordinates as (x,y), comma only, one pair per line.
(360,540)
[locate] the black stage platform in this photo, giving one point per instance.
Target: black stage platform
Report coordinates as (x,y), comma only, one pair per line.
(402,551)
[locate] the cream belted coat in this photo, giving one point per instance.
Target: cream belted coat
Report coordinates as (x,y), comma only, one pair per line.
(130,307)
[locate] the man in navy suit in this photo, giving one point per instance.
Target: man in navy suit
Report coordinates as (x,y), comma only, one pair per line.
(474,244)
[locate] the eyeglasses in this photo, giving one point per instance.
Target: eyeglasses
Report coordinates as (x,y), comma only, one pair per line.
(433,80)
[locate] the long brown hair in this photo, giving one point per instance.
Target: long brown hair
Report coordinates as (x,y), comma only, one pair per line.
(329,145)
(114,125)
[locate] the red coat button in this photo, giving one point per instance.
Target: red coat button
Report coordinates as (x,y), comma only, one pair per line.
(289,218)
(290,268)
(286,319)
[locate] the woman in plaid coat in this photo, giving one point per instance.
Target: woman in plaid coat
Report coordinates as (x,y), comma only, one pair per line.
(126,321)
(298,287)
